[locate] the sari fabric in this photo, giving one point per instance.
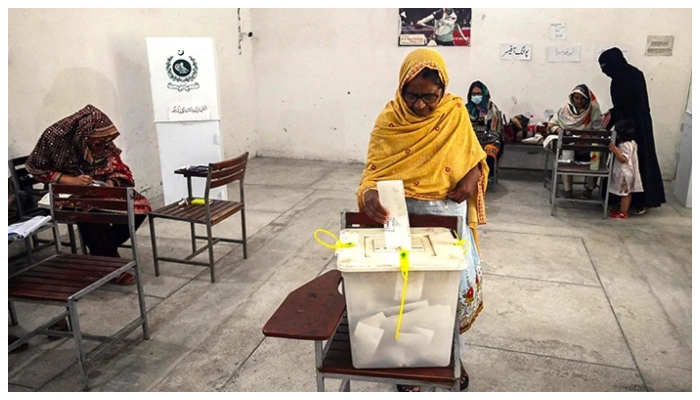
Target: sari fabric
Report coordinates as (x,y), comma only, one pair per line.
(429,154)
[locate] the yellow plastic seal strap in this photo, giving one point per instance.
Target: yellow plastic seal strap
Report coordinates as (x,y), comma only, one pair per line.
(338,244)
(404,266)
(461,242)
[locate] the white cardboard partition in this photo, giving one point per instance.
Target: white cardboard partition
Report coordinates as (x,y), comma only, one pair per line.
(185,110)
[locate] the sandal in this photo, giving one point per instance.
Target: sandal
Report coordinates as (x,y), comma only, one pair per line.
(464,380)
(617,215)
(639,211)
(125,279)
(407,388)
(568,194)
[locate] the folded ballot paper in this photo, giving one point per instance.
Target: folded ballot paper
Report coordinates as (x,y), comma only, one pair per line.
(425,340)
(23,229)
(397,231)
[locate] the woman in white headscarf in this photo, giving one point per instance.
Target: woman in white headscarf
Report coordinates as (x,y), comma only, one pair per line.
(581,112)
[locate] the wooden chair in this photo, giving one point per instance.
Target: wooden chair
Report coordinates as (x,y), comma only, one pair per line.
(316,311)
(27,196)
(209,214)
(582,140)
(64,279)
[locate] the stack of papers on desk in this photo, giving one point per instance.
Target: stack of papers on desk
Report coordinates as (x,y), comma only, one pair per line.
(45,201)
(24,229)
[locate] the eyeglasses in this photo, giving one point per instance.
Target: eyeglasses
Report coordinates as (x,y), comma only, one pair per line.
(428,98)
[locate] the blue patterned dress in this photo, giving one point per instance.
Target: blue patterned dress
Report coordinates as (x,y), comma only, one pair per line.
(470,295)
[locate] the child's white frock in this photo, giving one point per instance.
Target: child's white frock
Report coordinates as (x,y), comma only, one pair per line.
(625,177)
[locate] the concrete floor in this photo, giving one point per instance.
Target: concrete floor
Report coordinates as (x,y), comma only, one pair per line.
(572,302)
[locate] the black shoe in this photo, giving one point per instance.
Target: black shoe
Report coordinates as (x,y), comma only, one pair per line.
(407,388)
(464,381)
(587,194)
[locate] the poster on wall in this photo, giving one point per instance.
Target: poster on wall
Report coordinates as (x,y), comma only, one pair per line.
(183,79)
(562,54)
(557,31)
(659,46)
(435,26)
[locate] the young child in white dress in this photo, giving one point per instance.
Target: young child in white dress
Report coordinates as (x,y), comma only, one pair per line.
(625,178)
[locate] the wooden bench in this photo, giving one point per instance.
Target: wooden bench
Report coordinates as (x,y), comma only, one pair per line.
(316,311)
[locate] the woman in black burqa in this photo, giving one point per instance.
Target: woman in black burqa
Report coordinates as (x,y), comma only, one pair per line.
(628,91)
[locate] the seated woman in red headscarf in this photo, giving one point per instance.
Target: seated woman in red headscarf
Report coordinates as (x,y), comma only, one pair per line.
(78,150)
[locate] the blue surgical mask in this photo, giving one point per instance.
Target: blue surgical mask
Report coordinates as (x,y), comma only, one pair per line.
(477,99)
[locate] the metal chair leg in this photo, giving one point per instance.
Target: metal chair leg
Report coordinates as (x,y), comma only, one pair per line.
(456,354)
(245,238)
(546,163)
(13,313)
(78,337)
(71,239)
(152,226)
(28,246)
(83,248)
(142,303)
(318,349)
(193,236)
(605,206)
(555,184)
(211,252)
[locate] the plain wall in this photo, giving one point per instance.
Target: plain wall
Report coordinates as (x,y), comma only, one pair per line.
(323,75)
(62,59)
(310,82)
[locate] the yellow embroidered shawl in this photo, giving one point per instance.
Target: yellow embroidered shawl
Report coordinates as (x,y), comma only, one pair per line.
(430,154)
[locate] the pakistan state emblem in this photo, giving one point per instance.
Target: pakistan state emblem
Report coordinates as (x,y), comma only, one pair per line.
(182,71)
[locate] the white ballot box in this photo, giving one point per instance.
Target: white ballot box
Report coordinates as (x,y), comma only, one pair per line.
(374,286)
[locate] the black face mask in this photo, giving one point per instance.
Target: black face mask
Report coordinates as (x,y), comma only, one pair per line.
(606,69)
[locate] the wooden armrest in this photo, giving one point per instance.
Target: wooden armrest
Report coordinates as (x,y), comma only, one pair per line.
(311,312)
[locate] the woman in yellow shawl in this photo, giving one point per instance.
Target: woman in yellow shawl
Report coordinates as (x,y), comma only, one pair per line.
(424,137)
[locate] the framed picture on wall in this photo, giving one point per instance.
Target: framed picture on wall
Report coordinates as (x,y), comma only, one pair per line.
(435,26)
